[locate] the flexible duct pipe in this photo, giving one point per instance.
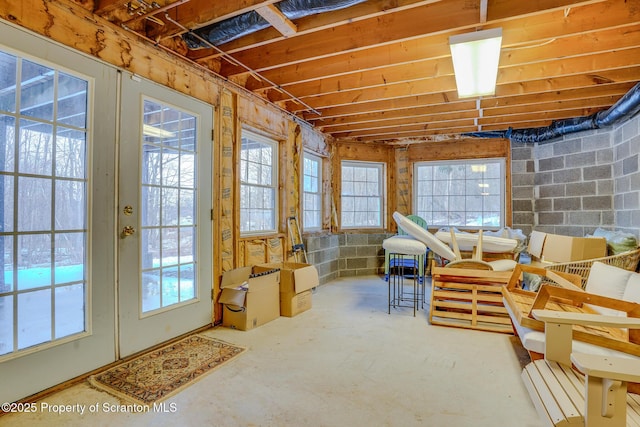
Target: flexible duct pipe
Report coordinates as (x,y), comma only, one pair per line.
(626,107)
(250,22)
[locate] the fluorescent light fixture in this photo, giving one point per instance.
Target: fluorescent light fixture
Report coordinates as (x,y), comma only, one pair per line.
(150,130)
(478,168)
(475,61)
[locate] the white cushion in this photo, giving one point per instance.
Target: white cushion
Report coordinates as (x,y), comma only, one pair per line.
(490,244)
(632,292)
(405,245)
(419,233)
(503,264)
(533,340)
(608,281)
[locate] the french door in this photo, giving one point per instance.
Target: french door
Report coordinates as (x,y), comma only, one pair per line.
(57,139)
(164,215)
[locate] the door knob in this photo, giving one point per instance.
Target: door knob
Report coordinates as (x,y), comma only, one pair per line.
(128,231)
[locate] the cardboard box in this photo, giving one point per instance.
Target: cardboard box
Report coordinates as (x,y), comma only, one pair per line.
(548,247)
(249,297)
(295,279)
(294,304)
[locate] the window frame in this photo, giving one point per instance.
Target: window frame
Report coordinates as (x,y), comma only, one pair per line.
(468,162)
(274,144)
(381,168)
(86,231)
(306,155)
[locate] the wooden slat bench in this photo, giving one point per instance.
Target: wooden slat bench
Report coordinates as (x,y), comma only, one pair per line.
(469,298)
(565,397)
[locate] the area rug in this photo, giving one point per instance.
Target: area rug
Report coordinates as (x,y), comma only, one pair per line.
(156,375)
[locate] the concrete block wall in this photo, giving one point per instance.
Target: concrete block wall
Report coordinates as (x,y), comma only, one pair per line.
(522,187)
(324,252)
(345,254)
(574,184)
(626,176)
(579,183)
(361,254)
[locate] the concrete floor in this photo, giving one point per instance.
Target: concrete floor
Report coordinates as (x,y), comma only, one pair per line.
(346,362)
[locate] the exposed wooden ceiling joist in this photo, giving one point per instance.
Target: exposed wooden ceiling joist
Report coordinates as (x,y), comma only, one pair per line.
(381,70)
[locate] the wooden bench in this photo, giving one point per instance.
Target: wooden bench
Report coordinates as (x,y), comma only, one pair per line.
(469,298)
(596,395)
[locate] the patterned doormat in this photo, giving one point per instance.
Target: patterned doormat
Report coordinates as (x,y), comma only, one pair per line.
(156,375)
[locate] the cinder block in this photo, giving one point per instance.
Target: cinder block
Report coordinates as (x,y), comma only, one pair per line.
(356,263)
(567,175)
(597,141)
(522,205)
(631,200)
(597,172)
(525,192)
(542,205)
(567,147)
(580,159)
(567,204)
(604,156)
(348,251)
(553,190)
(585,218)
(622,151)
(581,188)
(543,178)
(630,165)
(553,163)
(597,202)
(550,218)
(523,152)
(519,180)
(357,239)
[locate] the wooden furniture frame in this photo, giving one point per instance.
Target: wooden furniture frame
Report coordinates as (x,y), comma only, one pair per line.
(566,296)
(469,298)
(562,396)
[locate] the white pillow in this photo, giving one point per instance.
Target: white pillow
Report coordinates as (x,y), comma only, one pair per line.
(608,281)
(632,292)
(419,233)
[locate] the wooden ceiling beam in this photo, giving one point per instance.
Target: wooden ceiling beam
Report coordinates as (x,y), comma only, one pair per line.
(400,27)
(410,23)
(451,116)
(277,20)
(561,49)
(560,68)
(318,22)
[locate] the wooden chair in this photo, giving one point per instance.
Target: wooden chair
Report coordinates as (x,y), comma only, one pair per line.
(594,394)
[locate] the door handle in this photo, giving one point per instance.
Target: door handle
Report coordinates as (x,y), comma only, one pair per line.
(127,231)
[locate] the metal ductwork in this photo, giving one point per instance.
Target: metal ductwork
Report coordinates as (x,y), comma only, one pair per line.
(626,107)
(250,22)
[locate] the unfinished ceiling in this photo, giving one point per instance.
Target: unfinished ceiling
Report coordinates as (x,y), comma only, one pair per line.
(381,71)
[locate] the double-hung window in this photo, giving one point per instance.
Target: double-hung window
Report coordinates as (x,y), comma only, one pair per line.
(362,194)
(462,193)
(258,184)
(311,192)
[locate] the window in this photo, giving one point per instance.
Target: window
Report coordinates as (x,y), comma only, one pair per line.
(169,185)
(258,184)
(44,209)
(311,192)
(362,194)
(466,193)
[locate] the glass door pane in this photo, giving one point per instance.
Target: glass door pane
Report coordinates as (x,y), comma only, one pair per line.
(168,206)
